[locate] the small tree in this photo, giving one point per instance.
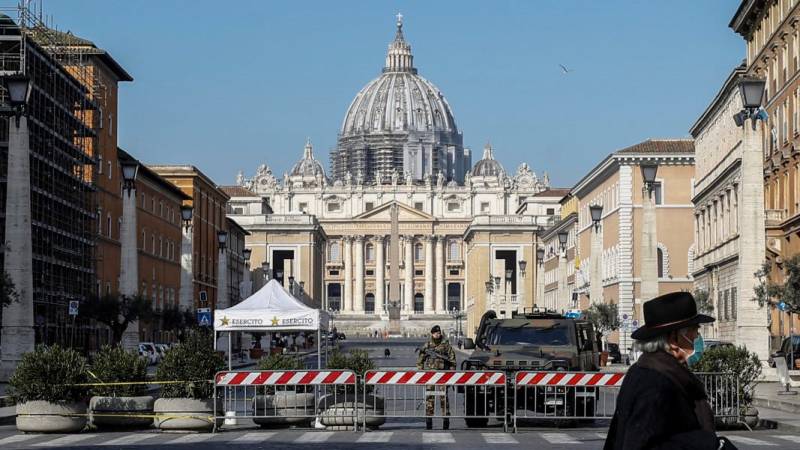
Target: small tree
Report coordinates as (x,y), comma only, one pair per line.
(604,317)
(116,365)
(177,319)
(770,293)
(703,301)
(193,362)
(8,292)
(117,312)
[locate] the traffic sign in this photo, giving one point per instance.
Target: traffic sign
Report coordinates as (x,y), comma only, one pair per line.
(204,317)
(635,323)
(624,317)
(73,308)
(203,296)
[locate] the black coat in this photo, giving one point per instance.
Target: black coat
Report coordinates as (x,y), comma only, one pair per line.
(661,405)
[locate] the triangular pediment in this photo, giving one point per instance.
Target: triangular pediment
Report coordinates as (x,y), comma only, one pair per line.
(383,212)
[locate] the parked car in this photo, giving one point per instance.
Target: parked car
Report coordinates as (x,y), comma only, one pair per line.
(148,349)
(786,352)
(162,349)
(614,355)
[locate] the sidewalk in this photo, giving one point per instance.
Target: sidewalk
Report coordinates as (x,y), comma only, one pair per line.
(767,396)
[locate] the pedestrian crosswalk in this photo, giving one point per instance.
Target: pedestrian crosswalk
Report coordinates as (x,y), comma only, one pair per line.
(581,438)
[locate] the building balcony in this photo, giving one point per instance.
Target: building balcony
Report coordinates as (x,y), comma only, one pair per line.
(774,217)
(505,220)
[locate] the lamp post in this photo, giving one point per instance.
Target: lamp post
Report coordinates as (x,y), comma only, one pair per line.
(246,289)
(129,253)
(186,300)
(539,277)
(649,247)
(223,297)
(563,236)
(752,320)
(18,335)
(596,281)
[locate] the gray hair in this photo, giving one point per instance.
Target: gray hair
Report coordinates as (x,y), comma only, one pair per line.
(653,344)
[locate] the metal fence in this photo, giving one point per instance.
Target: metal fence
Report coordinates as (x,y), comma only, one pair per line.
(724,396)
(475,396)
(286,397)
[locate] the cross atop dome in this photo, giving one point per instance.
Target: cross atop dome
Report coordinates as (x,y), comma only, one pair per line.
(399,57)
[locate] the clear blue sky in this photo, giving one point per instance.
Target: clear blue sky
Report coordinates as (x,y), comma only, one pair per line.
(230,85)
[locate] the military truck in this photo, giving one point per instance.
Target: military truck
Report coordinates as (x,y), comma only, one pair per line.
(535,340)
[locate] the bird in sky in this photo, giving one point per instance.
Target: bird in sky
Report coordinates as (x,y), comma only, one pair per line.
(564,70)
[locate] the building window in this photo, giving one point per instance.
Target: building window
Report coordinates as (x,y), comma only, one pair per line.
(419,255)
(108,225)
(304,206)
(657,193)
(153,205)
(660,256)
(153,243)
(110,172)
(733,303)
(453,207)
(419,303)
(99,221)
(334,254)
(161,209)
(100,164)
(418,206)
(551,211)
(369,304)
(333,207)
(370,251)
(452,251)
(485,207)
(144,240)
(369,206)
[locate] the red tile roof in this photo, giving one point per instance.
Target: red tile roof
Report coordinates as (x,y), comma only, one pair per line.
(237,191)
(660,146)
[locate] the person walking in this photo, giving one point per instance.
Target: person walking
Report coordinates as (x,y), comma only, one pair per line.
(436,354)
(662,404)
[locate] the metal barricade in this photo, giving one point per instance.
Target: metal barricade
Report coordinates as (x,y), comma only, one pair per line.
(290,397)
(565,395)
(723,392)
(475,396)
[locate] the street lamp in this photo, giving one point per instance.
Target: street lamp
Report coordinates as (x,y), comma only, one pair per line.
(19,90)
(186,216)
(522,266)
(222,239)
(540,256)
(246,254)
(265,270)
(509,273)
(649,171)
(751,91)
(130,169)
(597,213)
(562,239)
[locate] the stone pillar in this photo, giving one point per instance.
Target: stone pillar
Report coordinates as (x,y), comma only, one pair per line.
(596,262)
(649,248)
(223,294)
(358,291)
(347,286)
(186,294)
(380,268)
(441,300)
(129,263)
(539,301)
(408,288)
(751,322)
(18,335)
(429,276)
(563,299)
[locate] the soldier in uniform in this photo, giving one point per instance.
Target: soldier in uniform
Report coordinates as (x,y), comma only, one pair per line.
(436,354)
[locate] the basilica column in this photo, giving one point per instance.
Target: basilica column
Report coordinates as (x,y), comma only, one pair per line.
(380,267)
(408,304)
(358,290)
(429,277)
(441,303)
(347,286)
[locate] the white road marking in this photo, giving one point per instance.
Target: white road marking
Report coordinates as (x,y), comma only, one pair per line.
(602,435)
(559,438)
(376,436)
(65,441)
(129,439)
(749,441)
(18,438)
(437,438)
(250,438)
(792,438)
(191,438)
(314,436)
(499,438)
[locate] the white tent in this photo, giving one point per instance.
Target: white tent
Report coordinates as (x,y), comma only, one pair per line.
(271,309)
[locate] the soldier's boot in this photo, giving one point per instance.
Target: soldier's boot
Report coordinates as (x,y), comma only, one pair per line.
(446,424)
(428,424)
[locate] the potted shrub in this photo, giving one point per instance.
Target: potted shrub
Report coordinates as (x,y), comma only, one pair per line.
(45,389)
(117,405)
(738,362)
(340,410)
(283,404)
(188,406)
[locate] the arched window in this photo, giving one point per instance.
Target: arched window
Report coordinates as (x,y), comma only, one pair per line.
(452,251)
(419,255)
(660,263)
(370,251)
(369,304)
(419,303)
(333,252)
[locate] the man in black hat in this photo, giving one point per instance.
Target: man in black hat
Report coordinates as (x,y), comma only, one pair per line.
(663,405)
(436,354)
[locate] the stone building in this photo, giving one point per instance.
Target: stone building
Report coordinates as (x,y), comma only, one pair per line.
(729,241)
(617,184)
(772,37)
(399,245)
(559,263)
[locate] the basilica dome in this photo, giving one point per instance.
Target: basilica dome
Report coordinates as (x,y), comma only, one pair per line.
(308,166)
(488,166)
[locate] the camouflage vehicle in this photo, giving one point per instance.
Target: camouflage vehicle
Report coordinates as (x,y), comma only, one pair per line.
(532,341)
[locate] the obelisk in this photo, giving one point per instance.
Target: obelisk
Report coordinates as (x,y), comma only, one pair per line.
(394,274)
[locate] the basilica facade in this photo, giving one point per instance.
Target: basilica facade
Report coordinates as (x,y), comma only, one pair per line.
(403,231)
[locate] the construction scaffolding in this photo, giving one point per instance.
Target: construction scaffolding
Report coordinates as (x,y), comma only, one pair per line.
(62,123)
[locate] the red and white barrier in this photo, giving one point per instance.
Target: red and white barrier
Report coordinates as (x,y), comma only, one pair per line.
(285,377)
(434,378)
(569,379)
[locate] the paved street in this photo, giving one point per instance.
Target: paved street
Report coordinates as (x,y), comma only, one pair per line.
(388,437)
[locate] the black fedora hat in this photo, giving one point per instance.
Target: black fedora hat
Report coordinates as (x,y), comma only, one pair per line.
(669,312)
